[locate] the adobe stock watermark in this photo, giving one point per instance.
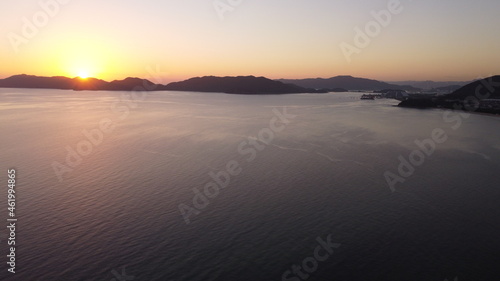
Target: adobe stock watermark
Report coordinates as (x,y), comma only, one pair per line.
(363,37)
(95,136)
(31,26)
(426,147)
(247,148)
(309,265)
(223,6)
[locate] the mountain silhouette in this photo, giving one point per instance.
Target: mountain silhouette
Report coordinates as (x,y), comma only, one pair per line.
(431,85)
(30,81)
(481,96)
(131,84)
(237,85)
(346,82)
(481,89)
(77,83)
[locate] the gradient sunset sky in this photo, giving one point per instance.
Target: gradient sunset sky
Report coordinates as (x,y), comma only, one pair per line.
(442,40)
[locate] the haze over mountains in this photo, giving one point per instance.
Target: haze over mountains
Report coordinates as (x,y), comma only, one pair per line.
(428,85)
(347,82)
(236,85)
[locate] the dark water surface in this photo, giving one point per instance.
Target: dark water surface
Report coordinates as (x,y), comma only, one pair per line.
(319,177)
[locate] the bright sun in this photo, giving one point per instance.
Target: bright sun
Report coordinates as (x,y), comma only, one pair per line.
(83,74)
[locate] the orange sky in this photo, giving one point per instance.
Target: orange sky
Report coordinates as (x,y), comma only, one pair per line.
(425,40)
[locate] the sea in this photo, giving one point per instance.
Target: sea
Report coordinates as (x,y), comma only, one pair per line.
(189,186)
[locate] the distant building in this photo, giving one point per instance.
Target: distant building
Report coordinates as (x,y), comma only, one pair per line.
(395,94)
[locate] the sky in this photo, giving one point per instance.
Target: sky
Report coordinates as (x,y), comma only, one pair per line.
(440,40)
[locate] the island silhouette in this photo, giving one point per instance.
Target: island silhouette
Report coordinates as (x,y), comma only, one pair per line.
(479,96)
(228,84)
(482,95)
(347,82)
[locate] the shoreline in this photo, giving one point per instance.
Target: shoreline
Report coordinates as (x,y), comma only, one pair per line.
(444,108)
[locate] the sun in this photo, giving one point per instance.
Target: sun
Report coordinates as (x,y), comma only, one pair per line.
(83,74)
(84,60)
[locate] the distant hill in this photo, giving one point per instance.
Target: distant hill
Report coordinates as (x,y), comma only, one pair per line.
(237,85)
(446,89)
(346,82)
(132,83)
(481,96)
(428,85)
(489,87)
(65,83)
(29,81)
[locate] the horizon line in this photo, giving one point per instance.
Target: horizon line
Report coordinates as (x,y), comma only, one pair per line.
(345,75)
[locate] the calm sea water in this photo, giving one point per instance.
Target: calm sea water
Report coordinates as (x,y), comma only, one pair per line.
(319,177)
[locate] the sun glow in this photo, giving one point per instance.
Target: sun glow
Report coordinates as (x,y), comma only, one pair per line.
(79,58)
(83,74)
